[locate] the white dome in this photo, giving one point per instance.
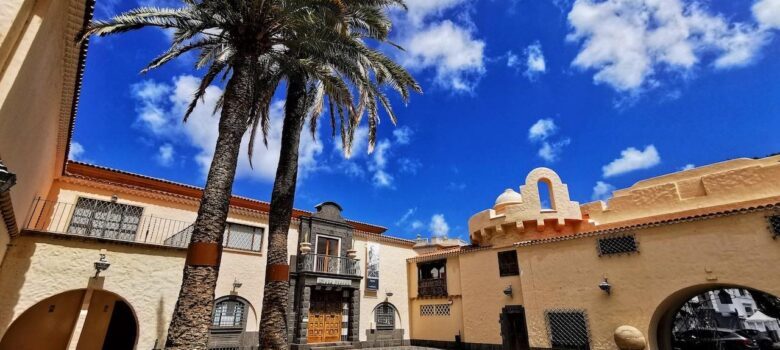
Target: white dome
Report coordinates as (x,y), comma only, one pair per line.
(509,196)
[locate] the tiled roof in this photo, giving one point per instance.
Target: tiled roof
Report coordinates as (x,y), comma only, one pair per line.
(131,180)
(666,219)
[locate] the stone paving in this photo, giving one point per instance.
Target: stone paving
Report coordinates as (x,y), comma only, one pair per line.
(401,348)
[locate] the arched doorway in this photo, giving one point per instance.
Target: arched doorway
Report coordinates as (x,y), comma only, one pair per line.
(54,323)
(718,317)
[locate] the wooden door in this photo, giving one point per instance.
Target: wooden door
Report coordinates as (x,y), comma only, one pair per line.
(325,317)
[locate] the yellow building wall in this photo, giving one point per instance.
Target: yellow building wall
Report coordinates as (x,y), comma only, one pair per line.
(32,48)
(675,262)
(439,328)
(392,278)
(483,295)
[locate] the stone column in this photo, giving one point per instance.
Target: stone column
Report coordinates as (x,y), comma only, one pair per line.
(303,315)
(291,312)
(354,315)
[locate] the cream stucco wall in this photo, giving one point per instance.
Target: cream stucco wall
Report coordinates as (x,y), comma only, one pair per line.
(392,278)
(38,267)
(734,250)
(32,48)
(440,328)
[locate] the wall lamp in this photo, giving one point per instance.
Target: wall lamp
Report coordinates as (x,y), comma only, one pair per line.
(605,286)
(7,178)
(508,290)
(101,264)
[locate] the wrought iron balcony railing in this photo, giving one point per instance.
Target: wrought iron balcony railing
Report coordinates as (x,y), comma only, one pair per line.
(329,264)
(434,287)
(107,220)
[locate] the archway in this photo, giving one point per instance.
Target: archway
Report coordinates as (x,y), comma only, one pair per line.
(53,323)
(716,317)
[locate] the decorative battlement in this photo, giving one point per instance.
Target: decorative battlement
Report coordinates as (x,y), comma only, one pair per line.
(514,213)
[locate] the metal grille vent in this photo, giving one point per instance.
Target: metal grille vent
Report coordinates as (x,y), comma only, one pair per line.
(435,310)
(625,244)
(568,329)
(774,225)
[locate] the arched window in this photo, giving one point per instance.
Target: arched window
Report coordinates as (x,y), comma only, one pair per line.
(384,315)
(546,194)
(229,313)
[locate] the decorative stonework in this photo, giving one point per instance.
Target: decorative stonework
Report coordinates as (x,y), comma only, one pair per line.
(515,211)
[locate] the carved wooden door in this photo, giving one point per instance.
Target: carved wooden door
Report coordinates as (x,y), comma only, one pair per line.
(325,317)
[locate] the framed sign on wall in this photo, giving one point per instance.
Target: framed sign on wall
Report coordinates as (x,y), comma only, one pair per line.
(372,266)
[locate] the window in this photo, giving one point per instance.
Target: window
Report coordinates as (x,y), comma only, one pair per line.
(507,263)
(774,225)
(748,309)
(327,246)
(432,279)
(229,313)
(92,217)
(724,297)
(617,245)
(384,315)
(568,329)
(243,237)
(435,310)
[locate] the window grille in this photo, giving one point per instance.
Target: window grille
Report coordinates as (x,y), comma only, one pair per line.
(617,245)
(568,329)
(243,237)
(435,310)
(774,225)
(228,313)
(92,217)
(442,309)
(385,316)
(507,263)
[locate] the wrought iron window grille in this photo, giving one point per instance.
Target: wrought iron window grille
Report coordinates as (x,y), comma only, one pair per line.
(621,244)
(507,263)
(774,225)
(435,310)
(568,329)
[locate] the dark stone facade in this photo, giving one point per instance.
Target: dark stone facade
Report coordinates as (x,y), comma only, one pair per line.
(327,221)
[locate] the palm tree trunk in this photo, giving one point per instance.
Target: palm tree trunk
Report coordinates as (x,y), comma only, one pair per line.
(189,328)
(273,324)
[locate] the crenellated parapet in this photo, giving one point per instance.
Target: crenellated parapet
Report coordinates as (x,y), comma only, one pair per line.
(516,213)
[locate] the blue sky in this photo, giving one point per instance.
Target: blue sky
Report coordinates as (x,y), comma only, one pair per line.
(606,93)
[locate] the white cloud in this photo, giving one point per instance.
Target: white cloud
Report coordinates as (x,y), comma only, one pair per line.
(439,36)
(632,159)
(451,51)
(382,179)
(767,13)
(403,135)
(687,167)
(439,226)
(416,225)
(512,60)
(602,191)
(76,151)
(535,64)
(161,108)
(408,165)
(407,215)
(542,129)
(165,154)
(379,161)
(627,42)
(550,151)
(541,132)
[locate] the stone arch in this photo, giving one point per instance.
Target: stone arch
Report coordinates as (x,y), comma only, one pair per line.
(111,322)
(660,328)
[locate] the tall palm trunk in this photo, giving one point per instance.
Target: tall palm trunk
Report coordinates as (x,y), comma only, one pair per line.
(189,328)
(273,325)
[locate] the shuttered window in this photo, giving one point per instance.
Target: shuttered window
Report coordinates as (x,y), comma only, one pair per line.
(507,263)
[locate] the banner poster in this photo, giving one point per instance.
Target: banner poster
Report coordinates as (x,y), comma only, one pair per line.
(372,266)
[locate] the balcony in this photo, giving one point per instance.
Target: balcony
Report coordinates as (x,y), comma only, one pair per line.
(107,221)
(433,287)
(329,264)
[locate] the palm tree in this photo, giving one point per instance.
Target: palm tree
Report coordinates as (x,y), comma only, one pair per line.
(257,44)
(356,63)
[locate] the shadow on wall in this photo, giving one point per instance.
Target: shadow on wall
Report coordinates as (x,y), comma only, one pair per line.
(13,276)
